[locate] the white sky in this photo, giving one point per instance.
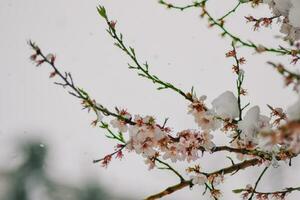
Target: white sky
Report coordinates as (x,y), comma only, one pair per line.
(178,47)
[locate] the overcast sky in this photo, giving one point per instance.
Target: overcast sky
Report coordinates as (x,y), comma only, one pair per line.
(178,47)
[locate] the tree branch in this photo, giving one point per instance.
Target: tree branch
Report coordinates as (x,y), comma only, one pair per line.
(223,171)
(169,190)
(226,32)
(256,184)
(143,69)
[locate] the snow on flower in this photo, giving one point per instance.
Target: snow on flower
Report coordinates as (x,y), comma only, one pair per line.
(251,124)
(208,121)
(226,105)
(290,9)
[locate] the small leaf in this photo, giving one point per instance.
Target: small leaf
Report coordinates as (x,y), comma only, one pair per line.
(237,191)
(155,77)
(102,11)
(118,45)
(131,66)
(161,88)
(110,137)
(143,75)
(132,50)
(121,136)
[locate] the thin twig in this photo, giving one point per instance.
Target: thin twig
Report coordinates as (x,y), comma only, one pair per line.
(226,32)
(169,167)
(256,184)
(143,69)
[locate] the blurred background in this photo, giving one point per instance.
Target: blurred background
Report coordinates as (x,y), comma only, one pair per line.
(29,180)
(46,142)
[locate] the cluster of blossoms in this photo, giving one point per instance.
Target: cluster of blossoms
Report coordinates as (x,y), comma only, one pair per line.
(151,140)
(253,123)
(287,136)
(250,192)
(254,126)
(290,10)
(254,131)
(200,178)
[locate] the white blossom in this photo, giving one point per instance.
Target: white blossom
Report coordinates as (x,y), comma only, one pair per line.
(205,118)
(172,153)
(207,121)
(199,179)
(119,124)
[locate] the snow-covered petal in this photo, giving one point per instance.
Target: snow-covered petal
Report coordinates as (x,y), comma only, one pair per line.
(226,105)
(249,125)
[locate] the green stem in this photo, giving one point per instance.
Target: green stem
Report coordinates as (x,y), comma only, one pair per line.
(226,32)
(142,68)
(231,11)
(169,167)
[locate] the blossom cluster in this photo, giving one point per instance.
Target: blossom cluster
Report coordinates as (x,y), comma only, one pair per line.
(249,190)
(151,140)
(253,131)
(254,126)
(287,136)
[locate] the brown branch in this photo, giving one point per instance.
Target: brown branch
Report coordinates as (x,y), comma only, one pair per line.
(254,152)
(223,171)
(236,167)
(281,194)
(143,69)
(226,32)
(282,70)
(169,190)
(256,183)
(169,167)
(68,82)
